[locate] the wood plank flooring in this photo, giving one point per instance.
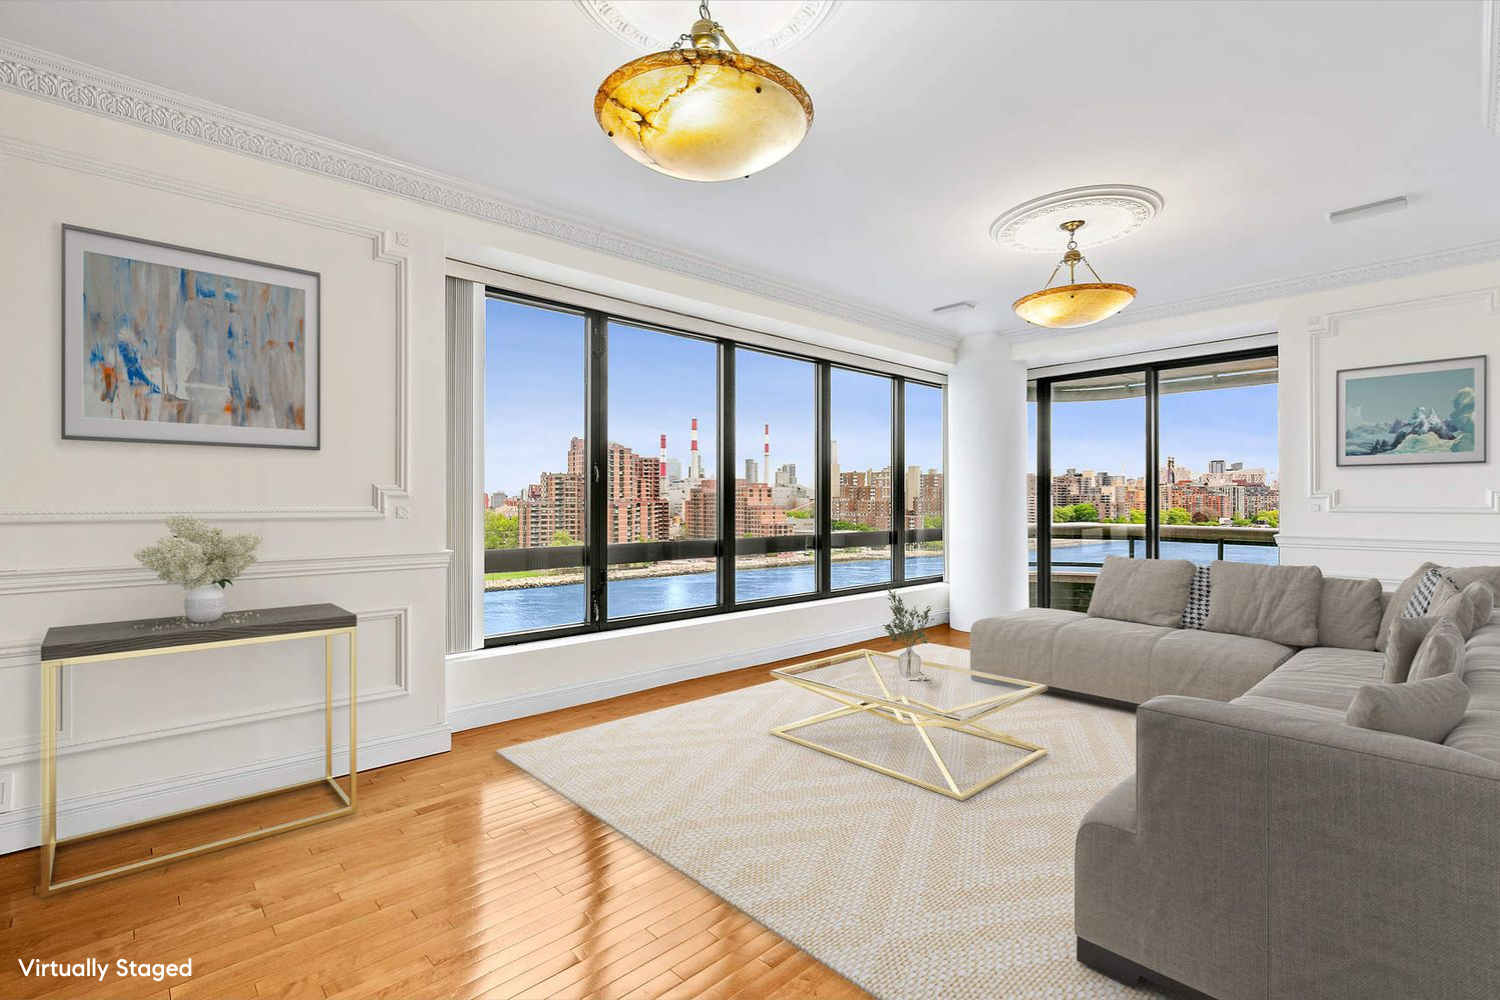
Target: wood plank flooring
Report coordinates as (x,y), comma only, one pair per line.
(459,877)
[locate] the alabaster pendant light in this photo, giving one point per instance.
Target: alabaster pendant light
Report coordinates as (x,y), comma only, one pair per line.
(703,113)
(1073,304)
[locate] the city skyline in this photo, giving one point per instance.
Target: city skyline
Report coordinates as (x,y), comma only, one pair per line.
(534,401)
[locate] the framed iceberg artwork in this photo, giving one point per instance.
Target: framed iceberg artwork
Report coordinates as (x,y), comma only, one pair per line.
(177,346)
(1426,413)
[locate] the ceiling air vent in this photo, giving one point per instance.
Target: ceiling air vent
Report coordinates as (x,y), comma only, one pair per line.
(1366,211)
(954,307)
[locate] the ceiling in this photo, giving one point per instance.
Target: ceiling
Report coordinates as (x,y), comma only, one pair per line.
(1252,120)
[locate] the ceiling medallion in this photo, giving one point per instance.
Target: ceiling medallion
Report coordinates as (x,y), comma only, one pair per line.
(1076,303)
(762,27)
(700,112)
(1114,211)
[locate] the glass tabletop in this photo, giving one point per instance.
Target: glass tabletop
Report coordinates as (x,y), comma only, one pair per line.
(950,690)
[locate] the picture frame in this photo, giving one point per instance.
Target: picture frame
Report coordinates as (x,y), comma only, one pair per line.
(1418,413)
(171,345)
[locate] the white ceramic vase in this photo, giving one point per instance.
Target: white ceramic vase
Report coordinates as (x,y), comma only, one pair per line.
(204,604)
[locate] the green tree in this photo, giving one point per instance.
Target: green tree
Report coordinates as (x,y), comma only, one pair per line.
(1271,518)
(501,532)
(563,538)
(932,521)
(1241,522)
(1063,514)
(851,526)
(1176,515)
(801,513)
(1085,512)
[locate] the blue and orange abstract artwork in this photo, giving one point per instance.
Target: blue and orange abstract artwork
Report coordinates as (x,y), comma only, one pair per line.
(202,355)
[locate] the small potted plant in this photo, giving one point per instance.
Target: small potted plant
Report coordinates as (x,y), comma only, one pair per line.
(201,560)
(908,626)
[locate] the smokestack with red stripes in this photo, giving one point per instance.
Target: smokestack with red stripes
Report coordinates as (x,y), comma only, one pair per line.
(661,471)
(766,467)
(695,465)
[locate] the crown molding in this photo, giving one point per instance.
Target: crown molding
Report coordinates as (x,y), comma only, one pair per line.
(1478,253)
(1492,66)
(55,78)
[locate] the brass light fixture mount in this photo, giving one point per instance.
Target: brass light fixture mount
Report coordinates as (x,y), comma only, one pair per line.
(702,112)
(1074,304)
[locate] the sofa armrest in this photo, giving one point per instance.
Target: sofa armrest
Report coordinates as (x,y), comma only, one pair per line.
(1285,857)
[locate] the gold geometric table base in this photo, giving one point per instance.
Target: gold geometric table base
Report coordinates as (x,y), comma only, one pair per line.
(915,717)
(51,672)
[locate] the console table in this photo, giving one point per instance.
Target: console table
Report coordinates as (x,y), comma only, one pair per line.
(115,641)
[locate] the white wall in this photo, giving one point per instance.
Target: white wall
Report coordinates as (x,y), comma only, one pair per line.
(359,523)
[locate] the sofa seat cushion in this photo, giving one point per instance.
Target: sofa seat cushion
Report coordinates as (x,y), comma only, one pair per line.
(1212,664)
(1106,658)
(1484,686)
(1291,709)
(1323,678)
(1020,644)
(1478,733)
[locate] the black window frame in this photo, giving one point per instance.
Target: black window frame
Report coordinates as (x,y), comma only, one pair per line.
(597,555)
(1152,372)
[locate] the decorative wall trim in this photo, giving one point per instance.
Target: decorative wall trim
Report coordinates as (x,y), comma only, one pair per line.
(1323,328)
(386,246)
(1405,267)
(21,828)
(487,713)
(1468,548)
(121,98)
(24,748)
(1491,78)
(45,581)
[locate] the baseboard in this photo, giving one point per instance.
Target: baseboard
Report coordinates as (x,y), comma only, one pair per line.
(488,713)
(21,828)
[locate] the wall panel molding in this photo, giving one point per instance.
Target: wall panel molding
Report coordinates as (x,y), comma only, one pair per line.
(387,247)
(1323,328)
(45,581)
(1491,78)
(78,85)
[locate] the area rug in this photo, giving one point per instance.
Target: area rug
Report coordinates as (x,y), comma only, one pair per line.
(909,894)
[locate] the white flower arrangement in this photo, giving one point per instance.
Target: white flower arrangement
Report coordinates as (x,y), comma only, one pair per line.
(195,555)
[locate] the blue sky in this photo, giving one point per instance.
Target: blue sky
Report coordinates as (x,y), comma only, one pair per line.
(534,401)
(1237,425)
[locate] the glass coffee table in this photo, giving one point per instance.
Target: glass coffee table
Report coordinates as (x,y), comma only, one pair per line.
(949,707)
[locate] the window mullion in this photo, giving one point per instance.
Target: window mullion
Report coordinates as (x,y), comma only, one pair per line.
(823,504)
(727,486)
(596,570)
(898,481)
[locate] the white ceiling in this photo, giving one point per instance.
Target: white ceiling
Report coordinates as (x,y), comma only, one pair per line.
(1252,119)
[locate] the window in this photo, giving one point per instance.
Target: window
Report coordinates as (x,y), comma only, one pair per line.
(637,473)
(924,496)
(1174,461)
(535,519)
(775,513)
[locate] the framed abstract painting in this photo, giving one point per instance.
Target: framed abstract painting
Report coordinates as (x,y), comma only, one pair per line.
(1425,413)
(177,346)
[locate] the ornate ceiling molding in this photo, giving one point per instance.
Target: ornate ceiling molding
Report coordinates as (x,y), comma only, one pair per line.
(808,16)
(1479,253)
(1492,66)
(55,78)
(1112,211)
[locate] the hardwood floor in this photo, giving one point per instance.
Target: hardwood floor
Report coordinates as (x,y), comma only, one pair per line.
(460,876)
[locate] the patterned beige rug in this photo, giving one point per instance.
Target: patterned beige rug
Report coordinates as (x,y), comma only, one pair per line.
(909,894)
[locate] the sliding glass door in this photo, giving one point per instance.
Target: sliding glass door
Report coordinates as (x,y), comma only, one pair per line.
(1174,460)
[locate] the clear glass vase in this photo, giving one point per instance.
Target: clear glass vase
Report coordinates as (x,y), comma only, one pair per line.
(909,663)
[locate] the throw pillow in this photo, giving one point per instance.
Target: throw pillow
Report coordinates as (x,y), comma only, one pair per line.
(1430,587)
(1275,603)
(1398,603)
(1349,613)
(1451,603)
(1483,596)
(1195,615)
(1424,710)
(1401,646)
(1442,652)
(1148,591)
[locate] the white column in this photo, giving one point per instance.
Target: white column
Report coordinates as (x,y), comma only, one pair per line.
(465,301)
(987,465)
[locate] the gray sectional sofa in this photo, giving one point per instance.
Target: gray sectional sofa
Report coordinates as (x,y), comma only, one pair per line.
(1266,847)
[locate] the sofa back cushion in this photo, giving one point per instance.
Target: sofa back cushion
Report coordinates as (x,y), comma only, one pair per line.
(1349,613)
(1148,591)
(1407,635)
(1482,593)
(1275,603)
(1424,710)
(1441,653)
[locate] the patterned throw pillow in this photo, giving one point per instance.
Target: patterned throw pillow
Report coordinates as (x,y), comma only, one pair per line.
(1196,612)
(1426,589)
